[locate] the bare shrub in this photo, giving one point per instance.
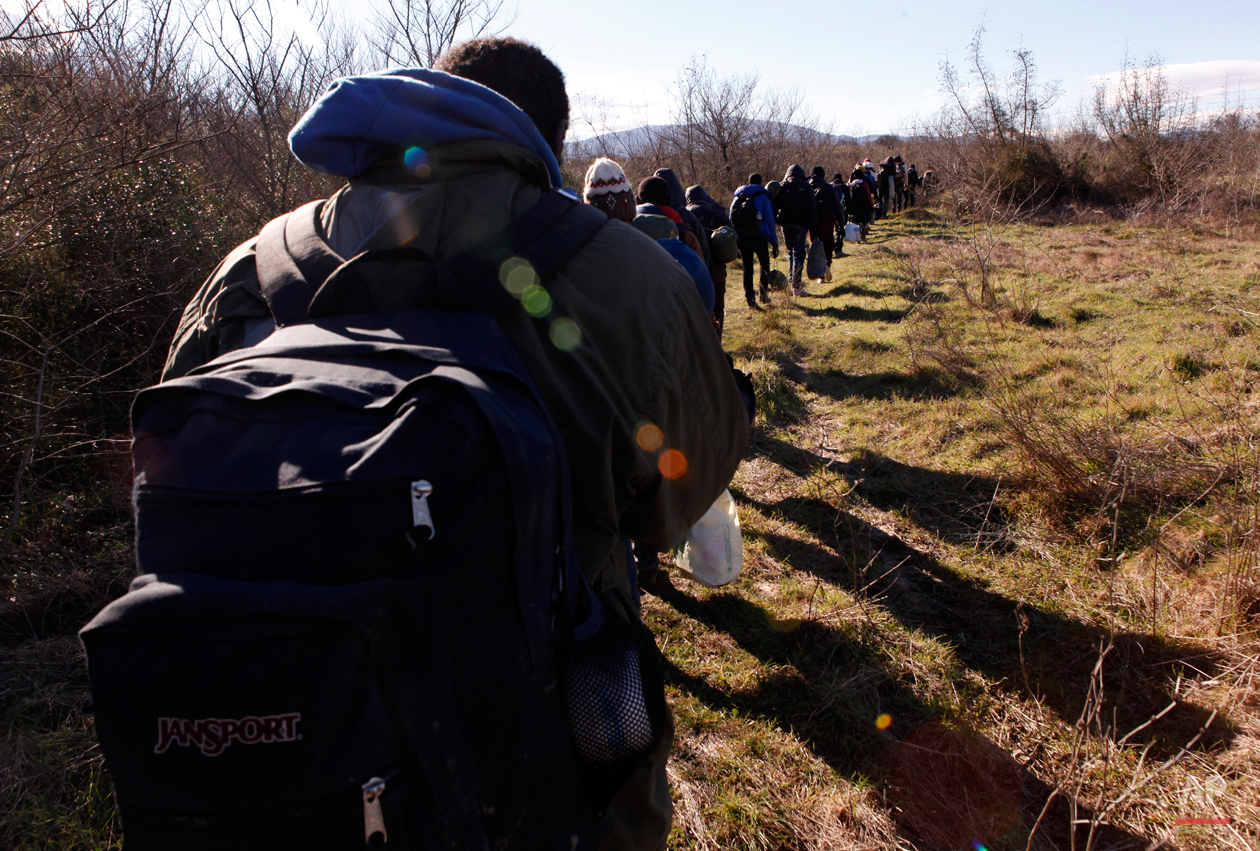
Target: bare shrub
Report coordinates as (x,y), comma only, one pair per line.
(263,76)
(1150,127)
(407,33)
(1000,152)
(1096,475)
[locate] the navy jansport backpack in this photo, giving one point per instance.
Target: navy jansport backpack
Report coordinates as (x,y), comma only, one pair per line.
(358,620)
(745,217)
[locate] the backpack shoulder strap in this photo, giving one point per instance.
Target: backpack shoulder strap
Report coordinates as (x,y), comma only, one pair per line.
(292,260)
(547,237)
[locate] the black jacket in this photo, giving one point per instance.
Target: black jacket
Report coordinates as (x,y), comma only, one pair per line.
(795,204)
(678,200)
(829,209)
(710,213)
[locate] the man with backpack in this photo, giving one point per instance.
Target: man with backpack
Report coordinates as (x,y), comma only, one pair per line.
(712,217)
(752,216)
(841,188)
(861,202)
(830,212)
(899,183)
(411,620)
(797,212)
(887,186)
(912,184)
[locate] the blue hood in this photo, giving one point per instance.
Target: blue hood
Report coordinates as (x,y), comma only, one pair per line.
(751,189)
(359,119)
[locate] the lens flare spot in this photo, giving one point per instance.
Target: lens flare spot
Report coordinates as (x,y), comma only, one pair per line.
(784,624)
(883,722)
(977,845)
(417,162)
(517,276)
(649,437)
(536,301)
(672,464)
(565,334)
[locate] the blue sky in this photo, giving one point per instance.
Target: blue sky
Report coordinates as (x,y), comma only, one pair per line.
(864,69)
(874,68)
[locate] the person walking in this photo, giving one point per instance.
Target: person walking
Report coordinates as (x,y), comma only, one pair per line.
(797,213)
(861,204)
(899,183)
(830,212)
(607,189)
(497,109)
(712,216)
(678,200)
(887,180)
(752,216)
(653,196)
(841,188)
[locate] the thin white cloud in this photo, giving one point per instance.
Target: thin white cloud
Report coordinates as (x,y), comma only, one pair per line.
(1203,79)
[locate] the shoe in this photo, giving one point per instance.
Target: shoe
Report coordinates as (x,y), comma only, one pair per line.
(752,302)
(798,291)
(656,582)
(765,295)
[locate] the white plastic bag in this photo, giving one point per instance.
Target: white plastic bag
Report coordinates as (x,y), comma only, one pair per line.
(852,232)
(712,551)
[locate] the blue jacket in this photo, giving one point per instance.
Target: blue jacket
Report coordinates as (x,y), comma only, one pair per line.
(694,264)
(764,206)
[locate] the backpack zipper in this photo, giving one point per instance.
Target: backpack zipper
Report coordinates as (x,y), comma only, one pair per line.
(373,818)
(420,515)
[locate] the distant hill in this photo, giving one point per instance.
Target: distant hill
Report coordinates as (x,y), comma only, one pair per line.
(623,143)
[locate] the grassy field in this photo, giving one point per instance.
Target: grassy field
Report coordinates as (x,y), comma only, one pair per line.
(1000,584)
(1000,552)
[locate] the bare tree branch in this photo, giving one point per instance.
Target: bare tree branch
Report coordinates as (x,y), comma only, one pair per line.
(416,32)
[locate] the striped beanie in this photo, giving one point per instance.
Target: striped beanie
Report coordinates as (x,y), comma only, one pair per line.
(607,188)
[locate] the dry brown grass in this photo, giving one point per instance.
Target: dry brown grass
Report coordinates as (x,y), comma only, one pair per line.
(1030,544)
(983,558)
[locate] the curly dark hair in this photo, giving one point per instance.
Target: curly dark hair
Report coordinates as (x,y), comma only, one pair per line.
(520,72)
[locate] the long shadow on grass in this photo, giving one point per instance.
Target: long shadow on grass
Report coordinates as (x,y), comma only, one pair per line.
(954,506)
(828,689)
(851,288)
(920,385)
(1035,653)
(853,313)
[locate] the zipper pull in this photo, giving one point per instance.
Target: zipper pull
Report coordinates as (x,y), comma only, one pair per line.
(373,818)
(420,515)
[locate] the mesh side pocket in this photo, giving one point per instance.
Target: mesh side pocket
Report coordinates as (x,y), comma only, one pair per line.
(603,690)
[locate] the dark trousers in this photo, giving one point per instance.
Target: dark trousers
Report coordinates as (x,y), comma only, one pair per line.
(798,251)
(717,271)
(751,248)
(828,238)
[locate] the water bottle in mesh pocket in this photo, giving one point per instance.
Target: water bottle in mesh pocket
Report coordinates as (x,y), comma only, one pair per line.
(603,689)
(614,692)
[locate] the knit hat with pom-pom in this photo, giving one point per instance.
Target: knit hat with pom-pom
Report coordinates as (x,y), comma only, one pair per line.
(608,189)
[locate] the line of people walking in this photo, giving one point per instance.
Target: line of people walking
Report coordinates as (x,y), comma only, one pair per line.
(815,215)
